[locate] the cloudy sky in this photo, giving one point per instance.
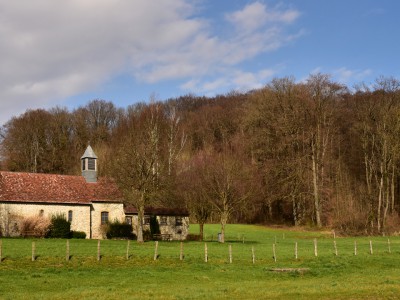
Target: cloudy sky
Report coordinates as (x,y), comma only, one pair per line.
(69,52)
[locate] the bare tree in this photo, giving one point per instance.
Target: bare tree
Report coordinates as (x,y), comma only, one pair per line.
(137,162)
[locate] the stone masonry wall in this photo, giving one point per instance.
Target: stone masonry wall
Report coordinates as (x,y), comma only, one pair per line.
(115,212)
(11,212)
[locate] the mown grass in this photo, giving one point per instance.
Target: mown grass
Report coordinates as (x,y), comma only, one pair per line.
(345,276)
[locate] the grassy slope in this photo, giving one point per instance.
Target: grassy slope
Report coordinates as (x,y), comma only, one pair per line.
(343,277)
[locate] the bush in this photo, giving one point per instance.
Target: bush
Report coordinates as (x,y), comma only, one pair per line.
(78,235)
(147,236)
(193,237)
(117,229)
(34,226)
(60,227)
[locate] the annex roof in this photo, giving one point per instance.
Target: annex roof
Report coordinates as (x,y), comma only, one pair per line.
(51,188)
(158,211)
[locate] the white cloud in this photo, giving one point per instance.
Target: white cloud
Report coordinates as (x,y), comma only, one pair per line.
(255,15)
(345,75)
(56,49)
(231,79)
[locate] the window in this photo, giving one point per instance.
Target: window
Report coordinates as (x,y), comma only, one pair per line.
(83,164)
(70,216)
(146,220)
(41,213)
(128,220)
(104,217)
(178,221)
(91,164)
(163,220)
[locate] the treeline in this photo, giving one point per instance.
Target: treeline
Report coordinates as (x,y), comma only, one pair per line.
(309,153)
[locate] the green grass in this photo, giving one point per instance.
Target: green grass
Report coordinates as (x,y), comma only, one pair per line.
(345,276)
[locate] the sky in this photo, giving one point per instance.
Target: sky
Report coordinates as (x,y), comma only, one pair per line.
(67,53)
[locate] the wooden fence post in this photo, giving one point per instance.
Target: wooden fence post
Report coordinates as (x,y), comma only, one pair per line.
(67,252)
(230,253)
(156,251)
(295,250)
(127,249)
(370,247)
(98,250)
(253,255)
(355,247)
(181,252)
(33,251)
(334,245)
(205,252)
(315,247)
(274,252)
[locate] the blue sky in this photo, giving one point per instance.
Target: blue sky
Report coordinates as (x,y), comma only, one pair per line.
(68,53)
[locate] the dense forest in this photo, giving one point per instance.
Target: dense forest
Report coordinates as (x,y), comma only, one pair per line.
(313,153)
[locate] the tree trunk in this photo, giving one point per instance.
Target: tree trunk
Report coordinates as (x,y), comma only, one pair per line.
(224,220)
(315,187)
(379,221)
(201,224)
(139,231)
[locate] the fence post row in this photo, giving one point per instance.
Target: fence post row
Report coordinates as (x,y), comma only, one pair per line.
(67,256)
(33,251)
(315,248)
(181,251)
(98,250)
(156,251)
(127,249)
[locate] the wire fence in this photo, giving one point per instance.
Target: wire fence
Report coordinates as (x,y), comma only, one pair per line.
(236,249)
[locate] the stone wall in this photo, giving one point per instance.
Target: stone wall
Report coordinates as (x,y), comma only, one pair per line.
(115,212)
(177,232)
(11,213)
(168,225)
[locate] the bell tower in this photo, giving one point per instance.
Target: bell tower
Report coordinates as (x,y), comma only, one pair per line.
(89,165)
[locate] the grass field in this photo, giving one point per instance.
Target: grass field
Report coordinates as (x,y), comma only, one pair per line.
(345,276)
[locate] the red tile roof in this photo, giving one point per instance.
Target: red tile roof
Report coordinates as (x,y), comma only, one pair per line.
(157,211)
(50,188)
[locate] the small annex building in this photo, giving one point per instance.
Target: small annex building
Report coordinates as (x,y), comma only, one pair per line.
(86,201)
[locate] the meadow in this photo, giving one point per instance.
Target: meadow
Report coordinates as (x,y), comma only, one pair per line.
(325,276)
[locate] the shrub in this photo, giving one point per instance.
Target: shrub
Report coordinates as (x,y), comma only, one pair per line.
(78,235)
(60,227)
(147,236)
(117,229)
(193,237)
(35,226)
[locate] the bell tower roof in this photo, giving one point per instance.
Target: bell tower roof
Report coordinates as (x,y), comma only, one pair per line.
(89,153)
(89,165)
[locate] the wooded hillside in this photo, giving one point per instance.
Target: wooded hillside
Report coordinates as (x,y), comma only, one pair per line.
(310,153)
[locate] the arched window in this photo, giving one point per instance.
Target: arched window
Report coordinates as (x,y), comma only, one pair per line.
(70,216)
(41,213)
